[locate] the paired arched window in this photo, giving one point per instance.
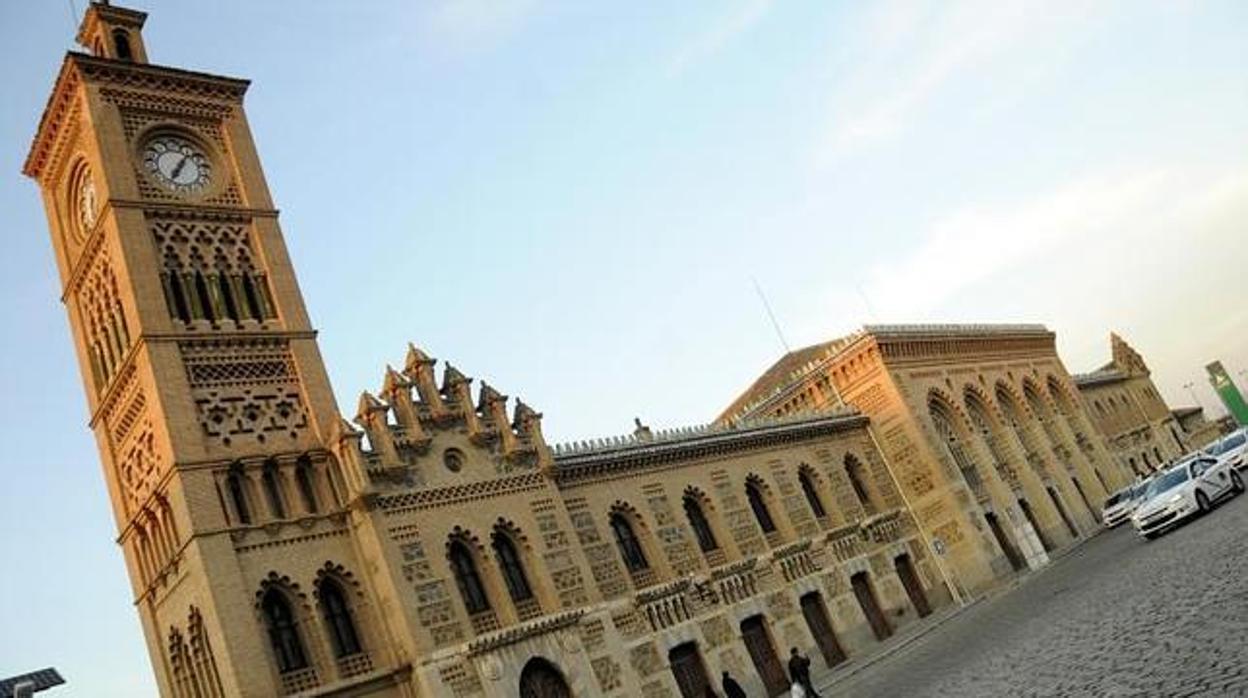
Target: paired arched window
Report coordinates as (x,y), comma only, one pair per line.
(464,567)
(283,632)
(857,480)
(510,565)
(338,619)
(303,478)
(754,493)
(630,547)
(701,527)
(812,494)
(238,495)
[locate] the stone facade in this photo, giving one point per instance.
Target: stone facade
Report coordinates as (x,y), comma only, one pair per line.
(438,545)
(981,425)
(1124,404)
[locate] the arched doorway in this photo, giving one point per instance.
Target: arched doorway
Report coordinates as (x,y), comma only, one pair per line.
(541,679)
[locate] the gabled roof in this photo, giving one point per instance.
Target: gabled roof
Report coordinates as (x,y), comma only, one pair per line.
(779,374)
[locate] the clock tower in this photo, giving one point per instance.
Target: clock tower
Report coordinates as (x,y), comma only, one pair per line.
(208,398)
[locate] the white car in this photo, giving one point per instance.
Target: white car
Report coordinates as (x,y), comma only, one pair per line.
(1233,448)
(1185,490)
(1122,504)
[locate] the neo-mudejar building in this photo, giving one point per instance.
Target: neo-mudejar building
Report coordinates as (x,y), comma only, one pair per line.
(436,545)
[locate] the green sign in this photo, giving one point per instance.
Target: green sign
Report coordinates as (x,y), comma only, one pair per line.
(1225,388)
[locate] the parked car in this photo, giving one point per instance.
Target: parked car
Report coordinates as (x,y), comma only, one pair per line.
(1233,448)
(1185,490)
(1123,503)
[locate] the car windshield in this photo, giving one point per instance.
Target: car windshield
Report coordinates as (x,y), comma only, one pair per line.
(1167,481)
(1219,447)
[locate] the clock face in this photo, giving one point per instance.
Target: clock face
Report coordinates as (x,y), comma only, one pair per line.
(177,163)
(88,203)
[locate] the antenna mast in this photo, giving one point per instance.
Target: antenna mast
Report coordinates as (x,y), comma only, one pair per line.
(771,315)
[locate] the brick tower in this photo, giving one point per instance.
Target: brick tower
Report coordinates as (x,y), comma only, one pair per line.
(208,397)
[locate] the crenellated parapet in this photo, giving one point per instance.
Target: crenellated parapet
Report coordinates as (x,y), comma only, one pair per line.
(416,404)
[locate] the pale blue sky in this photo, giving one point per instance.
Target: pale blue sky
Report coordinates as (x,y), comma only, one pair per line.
(568,200)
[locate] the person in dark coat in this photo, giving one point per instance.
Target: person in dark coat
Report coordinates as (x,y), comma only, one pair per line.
(799,671)
(732,689)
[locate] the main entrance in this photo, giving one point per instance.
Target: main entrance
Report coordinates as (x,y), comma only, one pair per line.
(870,605)
(763,654)
(816,615)
(540,679)
(689,671)
(1007,546)
(914,586)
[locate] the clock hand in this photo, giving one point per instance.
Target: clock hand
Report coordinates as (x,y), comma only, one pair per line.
(177,169)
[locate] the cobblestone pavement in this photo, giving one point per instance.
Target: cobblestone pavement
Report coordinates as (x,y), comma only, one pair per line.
(1116,617)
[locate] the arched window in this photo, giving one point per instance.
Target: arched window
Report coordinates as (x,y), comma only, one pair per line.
(227,297)
(754,492)
(812,495)
(464,567)
(253,297)
(238,495)
(854,470)
(204,297)
(338,619)
(121,43)
(273,490)
(511,567)
(630,547)
(177,296)
(303,477)
(283,635)
(701,527)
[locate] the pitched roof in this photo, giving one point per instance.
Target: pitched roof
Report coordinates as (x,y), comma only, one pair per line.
(779,374)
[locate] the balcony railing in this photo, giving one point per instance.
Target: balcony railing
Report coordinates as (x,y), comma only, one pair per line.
(666,605)
(354,665)
(528,609)
(845,542)
(299,680)
(736,582)
(795,561)
(484,622)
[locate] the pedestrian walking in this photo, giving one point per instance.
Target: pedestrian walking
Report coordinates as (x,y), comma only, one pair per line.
(732,689)
(799,671)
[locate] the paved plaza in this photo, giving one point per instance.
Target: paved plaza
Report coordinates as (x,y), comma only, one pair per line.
(1116,617)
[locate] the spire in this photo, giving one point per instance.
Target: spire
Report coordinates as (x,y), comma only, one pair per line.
(397,390)
(419,368)
(458,389)
(371,414)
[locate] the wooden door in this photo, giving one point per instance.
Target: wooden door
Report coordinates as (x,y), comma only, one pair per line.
(816,615)
(914,586)
(689,670)
(1007,546)
(763,653)
(871,606)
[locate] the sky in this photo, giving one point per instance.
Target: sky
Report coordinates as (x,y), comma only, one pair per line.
(573,200)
